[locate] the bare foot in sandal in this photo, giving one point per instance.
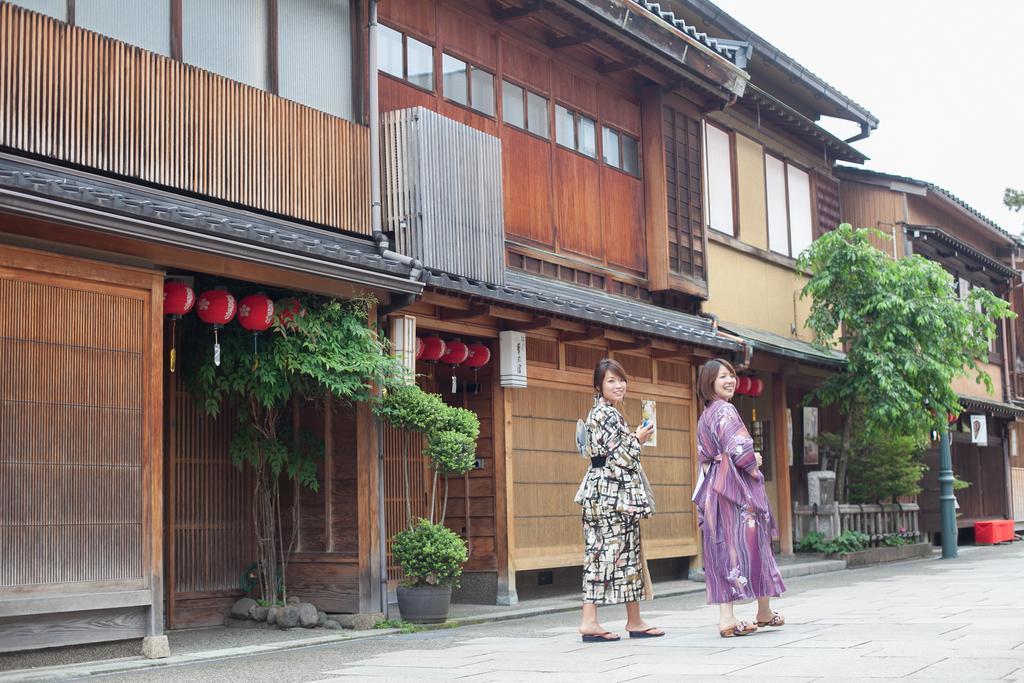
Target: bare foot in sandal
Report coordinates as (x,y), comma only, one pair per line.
(770,619)
(739,628)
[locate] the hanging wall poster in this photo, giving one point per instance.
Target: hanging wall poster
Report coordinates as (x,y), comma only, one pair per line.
(810,435)
(979,430)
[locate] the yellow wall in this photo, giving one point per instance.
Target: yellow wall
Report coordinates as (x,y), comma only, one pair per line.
(750,192)
(966,386)
(753,292)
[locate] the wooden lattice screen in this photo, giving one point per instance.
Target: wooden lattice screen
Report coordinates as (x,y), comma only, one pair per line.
(685,194)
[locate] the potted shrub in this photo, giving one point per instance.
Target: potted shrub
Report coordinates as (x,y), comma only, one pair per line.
(430,554)
(431,557)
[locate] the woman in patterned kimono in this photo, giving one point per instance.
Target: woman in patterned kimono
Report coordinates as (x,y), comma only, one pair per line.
(614,500)
(735,518)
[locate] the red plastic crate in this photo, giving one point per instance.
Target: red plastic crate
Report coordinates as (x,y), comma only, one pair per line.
(993,531)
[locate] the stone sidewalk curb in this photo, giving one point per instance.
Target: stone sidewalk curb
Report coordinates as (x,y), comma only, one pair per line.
(114,666)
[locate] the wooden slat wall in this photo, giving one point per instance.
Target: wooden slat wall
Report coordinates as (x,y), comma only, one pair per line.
(211,539)
(71,435)
(81,98)
(685,194)
(547,471)
(1017,477)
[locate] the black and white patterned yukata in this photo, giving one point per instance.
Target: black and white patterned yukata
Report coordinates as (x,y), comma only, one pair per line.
(614,501)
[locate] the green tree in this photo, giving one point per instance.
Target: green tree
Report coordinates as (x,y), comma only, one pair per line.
(1014,199)
(323,348)
(905,333)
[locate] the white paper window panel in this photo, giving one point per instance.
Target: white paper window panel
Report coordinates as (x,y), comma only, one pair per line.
(145,23)
(719,180)
(775,189)
(315,54)
(227,37)
(801,225)
(389,51)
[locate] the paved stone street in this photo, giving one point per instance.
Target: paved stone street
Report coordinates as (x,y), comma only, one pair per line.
(932,619)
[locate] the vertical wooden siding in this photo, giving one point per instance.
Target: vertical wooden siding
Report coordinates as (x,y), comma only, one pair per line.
(548,470)
(81,98)
(71,435)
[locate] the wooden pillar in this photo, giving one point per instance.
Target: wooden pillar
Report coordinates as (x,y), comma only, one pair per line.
(652,143)
(368,455)
(153,450)
(328,489)
(781,444)
(695,411)
(504,521)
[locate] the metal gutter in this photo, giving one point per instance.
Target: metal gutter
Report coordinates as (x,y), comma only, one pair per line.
(930,231)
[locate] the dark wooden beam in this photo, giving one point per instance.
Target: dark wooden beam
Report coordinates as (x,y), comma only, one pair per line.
(560,42)
(637,345)
(457,314)
(662,354)
(589,334)
(509,13)
(613,67)
(535,324)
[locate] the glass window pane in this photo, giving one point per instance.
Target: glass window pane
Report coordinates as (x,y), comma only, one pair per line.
(389,51)
(52,8)
(778,218)
(228,37)
(483,91)
(315,54)
(565,127)
(630,155)
(587,136)
(454,77)
(801,227)
(421,63)
(146,23)
(537,114)
(719,179)
(610,147)
(512,106)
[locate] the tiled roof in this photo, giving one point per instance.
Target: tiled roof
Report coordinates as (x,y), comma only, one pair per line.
(865,173)
(727,50)
(163,216)
(769,342)
(553,297)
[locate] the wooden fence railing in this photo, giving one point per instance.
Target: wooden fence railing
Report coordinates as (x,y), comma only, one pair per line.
(80,98)
(879,521)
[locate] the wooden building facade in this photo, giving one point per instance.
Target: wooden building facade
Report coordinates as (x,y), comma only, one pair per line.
(128,154)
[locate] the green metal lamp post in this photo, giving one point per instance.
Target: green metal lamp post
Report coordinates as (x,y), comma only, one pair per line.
(947,502)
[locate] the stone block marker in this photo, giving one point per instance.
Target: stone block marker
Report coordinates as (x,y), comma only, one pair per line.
(156,647)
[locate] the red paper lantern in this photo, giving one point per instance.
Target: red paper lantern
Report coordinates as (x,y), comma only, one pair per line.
(419,348)
(455,353)
(479,356)
(742,385)
(216,307)
(433,349)
(256,312)
(951,418)
(179,298)
(756,386)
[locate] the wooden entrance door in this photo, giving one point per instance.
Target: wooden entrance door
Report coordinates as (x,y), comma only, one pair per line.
(80,451)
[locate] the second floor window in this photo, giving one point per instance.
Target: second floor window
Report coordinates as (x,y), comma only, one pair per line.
(136,22)
(620,150)
(228,38)
(524,109)
(402,56)
(468,85)
(788,191)
(718,165)
(575,131)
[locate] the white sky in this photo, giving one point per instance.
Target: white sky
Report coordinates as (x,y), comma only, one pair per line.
(945,79)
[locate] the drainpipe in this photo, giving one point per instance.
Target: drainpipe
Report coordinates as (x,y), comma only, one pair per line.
(1012,362)
(375,223)
(865,131)
(748,351)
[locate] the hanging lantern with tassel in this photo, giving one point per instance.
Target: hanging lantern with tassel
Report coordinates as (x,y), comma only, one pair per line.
(256,314)
(216,307)
(455,354)
(479,356)
(179,299)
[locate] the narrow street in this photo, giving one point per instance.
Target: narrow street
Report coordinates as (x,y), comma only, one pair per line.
(951,620)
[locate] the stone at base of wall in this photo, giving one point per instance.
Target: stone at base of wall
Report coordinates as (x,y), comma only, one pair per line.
(883,554)
(156,647)
(477,588)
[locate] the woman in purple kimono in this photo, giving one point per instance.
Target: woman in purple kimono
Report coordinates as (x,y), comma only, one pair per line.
(736,521)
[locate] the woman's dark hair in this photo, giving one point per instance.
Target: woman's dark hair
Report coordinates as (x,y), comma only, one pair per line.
(603,367)
(708,375)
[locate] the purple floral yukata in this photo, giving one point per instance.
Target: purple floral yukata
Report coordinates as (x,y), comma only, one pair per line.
(736,521)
